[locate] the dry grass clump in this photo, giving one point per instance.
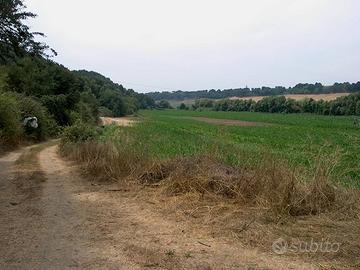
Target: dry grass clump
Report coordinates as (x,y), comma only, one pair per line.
(256,207)
(104,160)
(273,185)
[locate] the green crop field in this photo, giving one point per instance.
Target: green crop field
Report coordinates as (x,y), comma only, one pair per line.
(299,139)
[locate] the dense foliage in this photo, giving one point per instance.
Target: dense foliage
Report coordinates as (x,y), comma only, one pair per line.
(32,85)
(16,39)
(113,96)
(163,104)
(79,132)
(301,88)
(67,96)
(346,105)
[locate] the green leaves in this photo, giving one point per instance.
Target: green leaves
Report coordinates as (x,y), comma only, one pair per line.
(16,39)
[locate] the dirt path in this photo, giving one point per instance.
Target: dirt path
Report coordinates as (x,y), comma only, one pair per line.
(51,218)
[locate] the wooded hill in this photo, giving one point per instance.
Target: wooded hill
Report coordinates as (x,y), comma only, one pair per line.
(301,88)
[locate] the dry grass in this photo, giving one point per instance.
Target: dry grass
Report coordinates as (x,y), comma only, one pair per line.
(273,185)
(254,206)
(105,161)
(326,97)
(120,121)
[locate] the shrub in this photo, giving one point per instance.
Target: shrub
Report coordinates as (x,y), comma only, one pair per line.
(105,112)
(85,113)
(163,104)
(47,125)
(182,106)
(10,117)
(79,132)
(13,109)
(57,107)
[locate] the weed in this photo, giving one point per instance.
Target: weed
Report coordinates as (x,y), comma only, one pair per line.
(170,252)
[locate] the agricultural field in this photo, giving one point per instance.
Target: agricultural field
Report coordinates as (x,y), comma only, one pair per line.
(326,97)
(298,139)
(250,178)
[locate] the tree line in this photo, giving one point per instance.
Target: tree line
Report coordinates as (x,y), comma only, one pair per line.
(346,105)
(301,88)
(32,84)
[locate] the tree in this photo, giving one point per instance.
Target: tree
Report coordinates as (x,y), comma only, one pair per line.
(114,101)
(357,108)
(16,39)
(301,88)
(182,106)
(164,104)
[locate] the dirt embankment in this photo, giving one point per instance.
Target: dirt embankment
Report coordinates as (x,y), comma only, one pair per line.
(52,218)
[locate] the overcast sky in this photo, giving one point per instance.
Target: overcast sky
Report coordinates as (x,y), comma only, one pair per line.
(171,45)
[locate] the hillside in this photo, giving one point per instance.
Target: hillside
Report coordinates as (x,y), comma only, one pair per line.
(33,87)
(301,88)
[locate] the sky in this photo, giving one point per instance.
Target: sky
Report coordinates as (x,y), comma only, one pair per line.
(168,45)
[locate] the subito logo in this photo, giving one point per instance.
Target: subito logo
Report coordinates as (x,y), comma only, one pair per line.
(280,246)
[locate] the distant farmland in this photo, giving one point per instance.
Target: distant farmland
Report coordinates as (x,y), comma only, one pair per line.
(327,97)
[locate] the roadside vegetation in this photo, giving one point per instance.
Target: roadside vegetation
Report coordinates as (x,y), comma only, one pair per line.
(241,181)
(296,138)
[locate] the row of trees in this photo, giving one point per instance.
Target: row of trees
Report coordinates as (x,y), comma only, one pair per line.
(346,105)
(31,84)
(301,88)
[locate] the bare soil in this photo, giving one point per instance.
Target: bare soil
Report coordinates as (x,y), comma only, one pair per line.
(52,218)
(120,121)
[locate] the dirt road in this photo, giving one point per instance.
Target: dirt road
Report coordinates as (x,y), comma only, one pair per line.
(52,218)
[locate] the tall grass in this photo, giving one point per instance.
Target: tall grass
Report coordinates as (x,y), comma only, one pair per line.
(210,170)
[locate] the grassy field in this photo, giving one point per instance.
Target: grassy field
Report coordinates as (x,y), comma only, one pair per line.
(299,139)
(251,177)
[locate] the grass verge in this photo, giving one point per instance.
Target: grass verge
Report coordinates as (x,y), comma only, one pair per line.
(253,197)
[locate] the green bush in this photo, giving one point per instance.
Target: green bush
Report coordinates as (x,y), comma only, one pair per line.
(47,125)
(13,109)
(10,120)
(163,104)
(3,77)
(105,112)
(80,132)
